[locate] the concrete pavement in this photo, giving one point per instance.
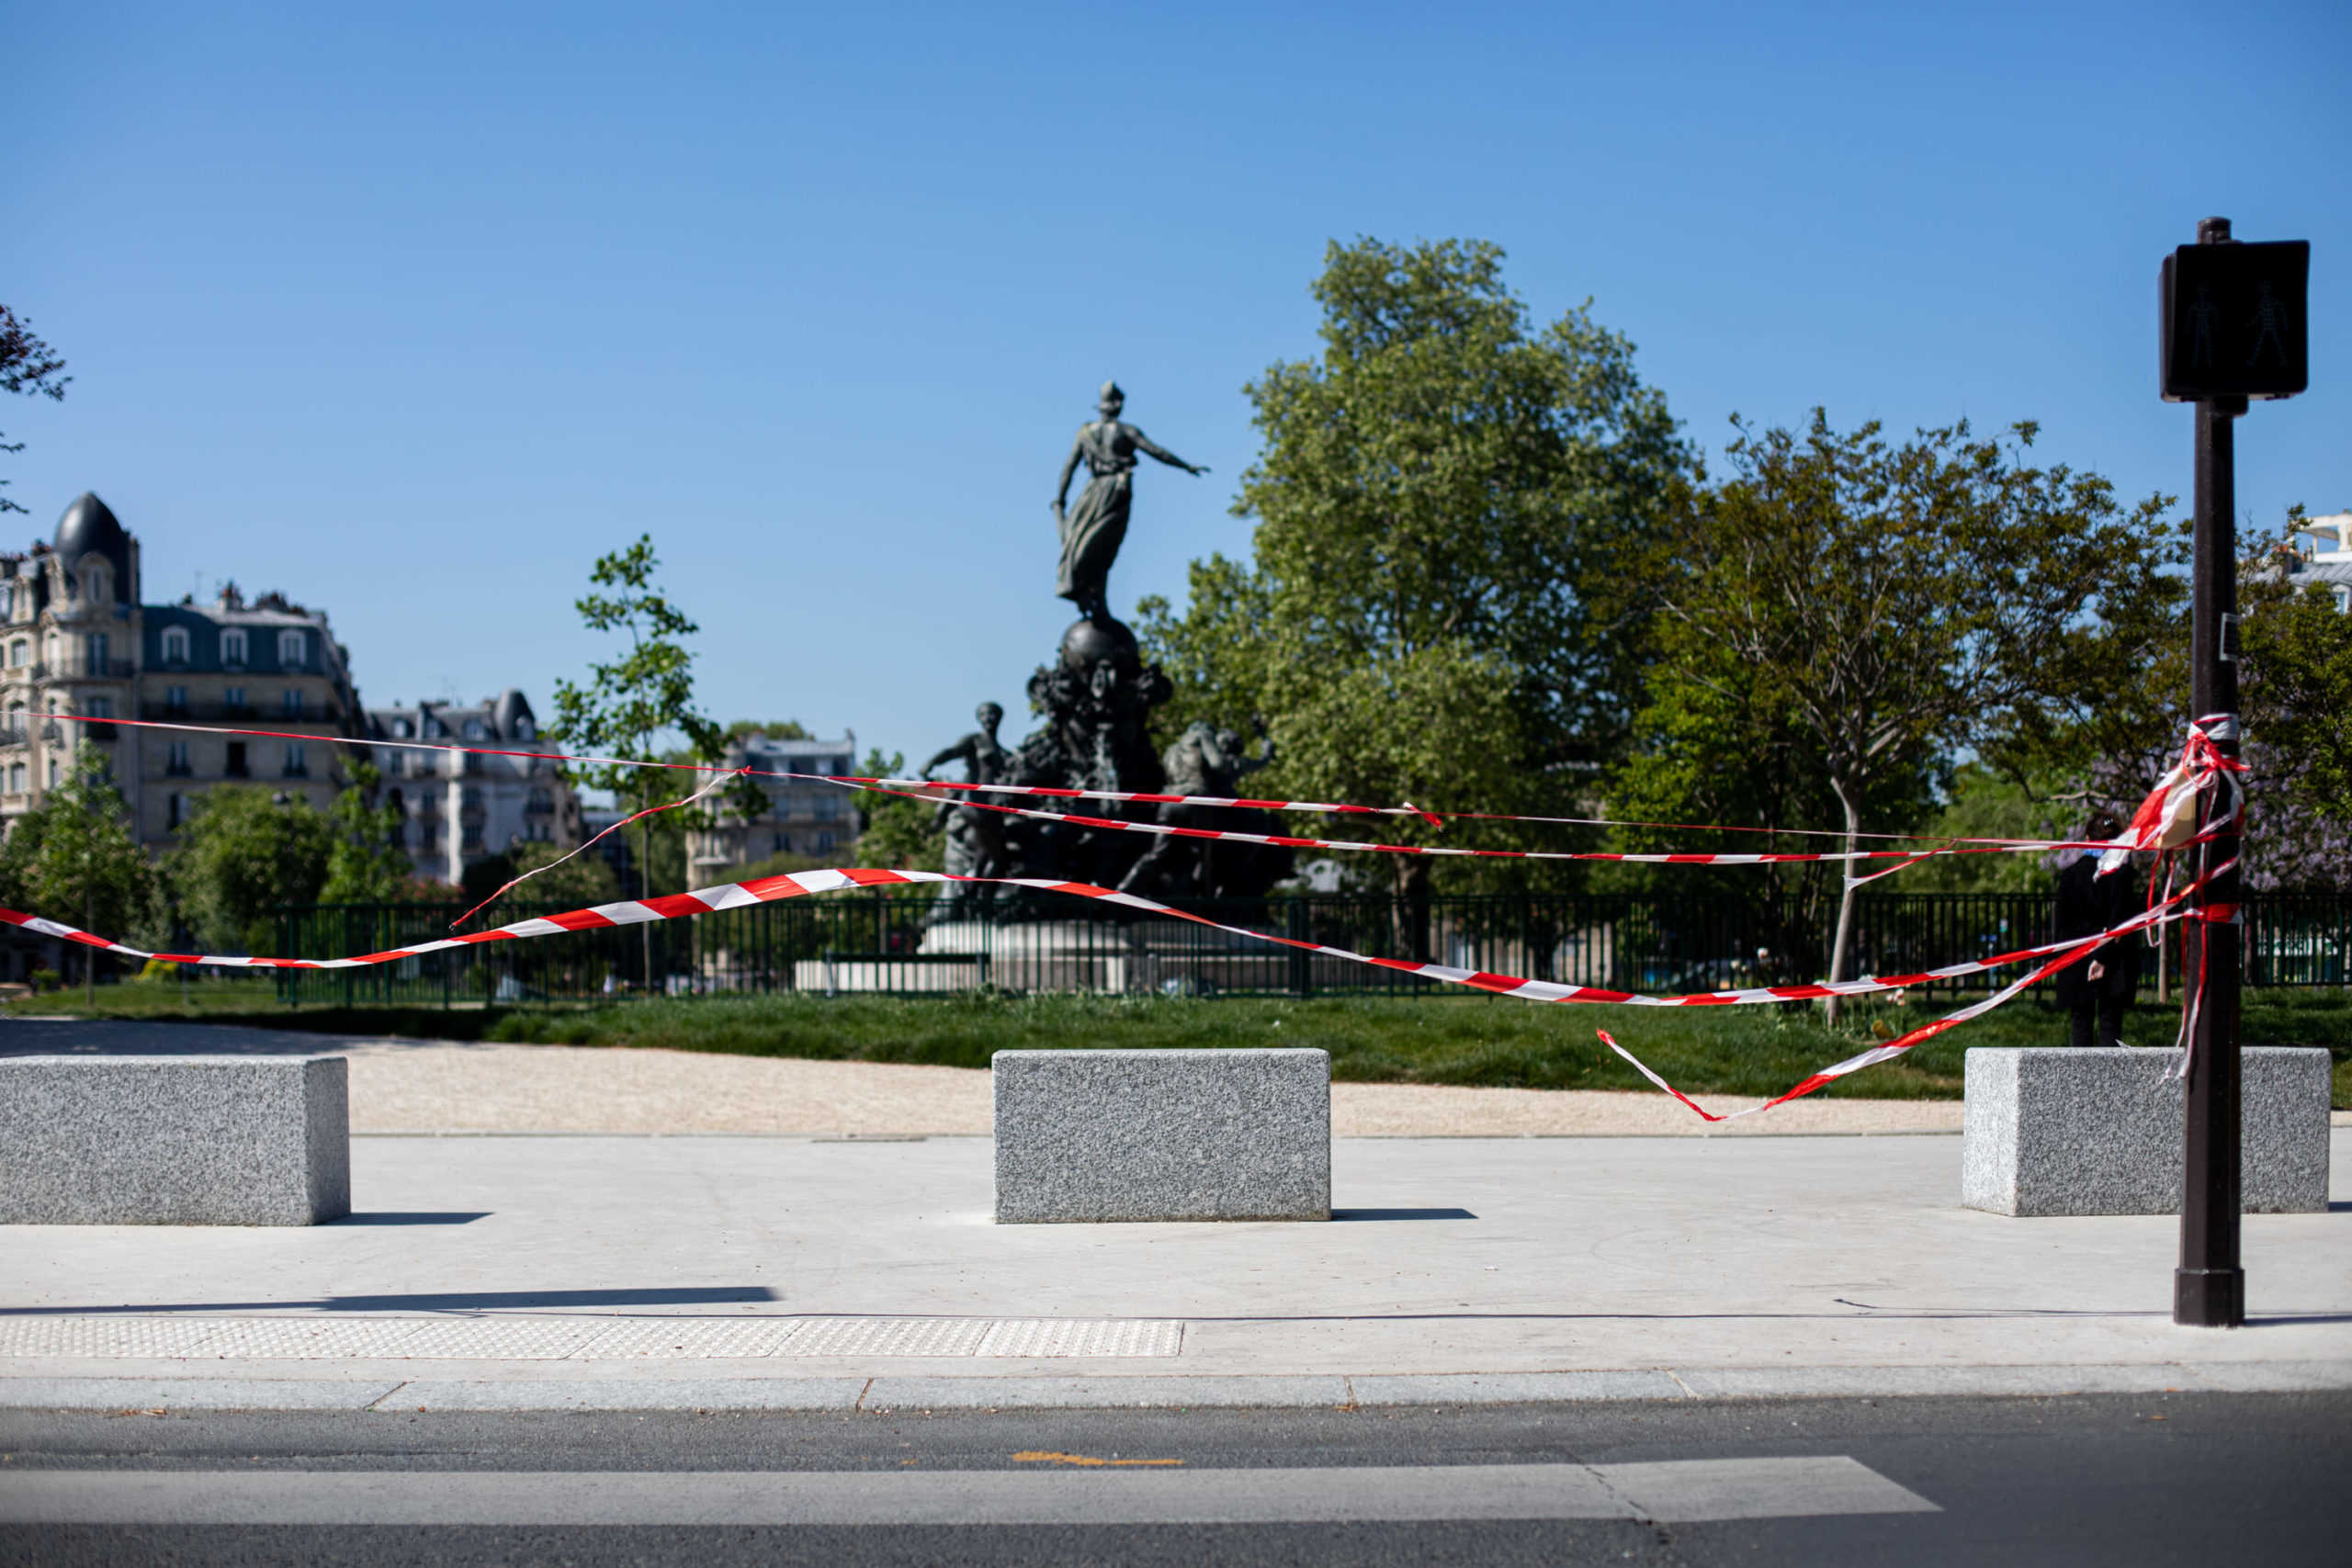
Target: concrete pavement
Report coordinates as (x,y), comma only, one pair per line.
(770,1273)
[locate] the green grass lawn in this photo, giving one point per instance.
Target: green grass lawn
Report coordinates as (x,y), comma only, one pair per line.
(1450,1039)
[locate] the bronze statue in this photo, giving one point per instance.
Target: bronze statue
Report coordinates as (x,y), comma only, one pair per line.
(1206,760)
(1093,531)
(975,837)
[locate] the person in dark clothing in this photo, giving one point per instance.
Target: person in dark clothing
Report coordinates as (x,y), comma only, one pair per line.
(2098,989)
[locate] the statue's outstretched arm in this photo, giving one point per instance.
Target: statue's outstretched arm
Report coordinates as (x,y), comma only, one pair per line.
(962,749)
(1147,444)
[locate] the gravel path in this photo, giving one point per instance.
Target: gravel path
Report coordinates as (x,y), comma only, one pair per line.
(561,1089)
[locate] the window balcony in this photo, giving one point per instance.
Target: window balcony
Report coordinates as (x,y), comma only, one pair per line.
(71,667)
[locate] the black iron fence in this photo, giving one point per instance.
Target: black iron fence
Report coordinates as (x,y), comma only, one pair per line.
(878,942)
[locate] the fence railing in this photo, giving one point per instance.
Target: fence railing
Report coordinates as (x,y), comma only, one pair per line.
(878,942)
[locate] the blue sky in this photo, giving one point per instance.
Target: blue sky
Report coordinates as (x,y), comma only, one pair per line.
(411,311)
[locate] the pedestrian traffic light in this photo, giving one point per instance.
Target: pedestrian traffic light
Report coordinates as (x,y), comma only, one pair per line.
(2232,320)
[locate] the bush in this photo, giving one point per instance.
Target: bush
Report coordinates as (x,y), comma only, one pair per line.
(47,979)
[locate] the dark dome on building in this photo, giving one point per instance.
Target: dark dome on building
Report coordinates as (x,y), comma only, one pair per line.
(89,525)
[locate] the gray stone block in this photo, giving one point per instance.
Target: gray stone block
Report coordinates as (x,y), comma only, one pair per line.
(2099,1132)
(174,1140)
(1093,1135)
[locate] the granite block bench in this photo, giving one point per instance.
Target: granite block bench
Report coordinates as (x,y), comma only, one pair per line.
(1098,1135)
(174,1140)
(2098,1130)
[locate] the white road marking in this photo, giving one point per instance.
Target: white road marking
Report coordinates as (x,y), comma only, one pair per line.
(1676,1491)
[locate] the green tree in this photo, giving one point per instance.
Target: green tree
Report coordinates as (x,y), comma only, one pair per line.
(366,863)
(1443,498)
(631,702)
(27,365)
(579,883)
(895,832)
(243,855)
(72,858)
(2298,696)
(1861,612)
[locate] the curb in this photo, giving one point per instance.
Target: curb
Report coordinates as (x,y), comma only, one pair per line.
(1371,1391)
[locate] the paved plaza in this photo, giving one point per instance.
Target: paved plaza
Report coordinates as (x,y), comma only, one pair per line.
(860,1269)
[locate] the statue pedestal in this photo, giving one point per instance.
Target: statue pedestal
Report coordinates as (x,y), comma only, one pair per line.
(1100,956)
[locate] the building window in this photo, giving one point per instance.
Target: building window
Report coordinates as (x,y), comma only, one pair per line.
(293,651)
(824,842)
(236,767)
(98,583)
(233,648)
(473,730)
(99,707)
(472,840)
(176,699)
(298,764)
(293,704)
(523,730)
(2343,600)
(18,653)
(52,773)
(15,778)
(470,800)
(233,699)
(403,728)
(99,650)
(176,764)
(174,811)
(175,645)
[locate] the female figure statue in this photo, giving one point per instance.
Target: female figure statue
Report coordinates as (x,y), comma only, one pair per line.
(1091,532)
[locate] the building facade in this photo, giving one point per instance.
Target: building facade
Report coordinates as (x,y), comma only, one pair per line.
(460,807)
(813,820)
(2322,556)
(79,645)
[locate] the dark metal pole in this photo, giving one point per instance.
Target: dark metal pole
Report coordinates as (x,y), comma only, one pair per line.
(2209,1288)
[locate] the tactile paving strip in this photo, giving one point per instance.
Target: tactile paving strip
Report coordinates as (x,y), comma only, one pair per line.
(1072,1336)
(690,1338)
(888,1336)
(579,1339)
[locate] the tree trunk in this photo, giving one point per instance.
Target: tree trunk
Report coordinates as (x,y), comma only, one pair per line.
(645,891)
(1841,946)
(1411,879)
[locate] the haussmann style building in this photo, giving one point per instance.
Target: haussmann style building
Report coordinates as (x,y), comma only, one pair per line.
(460,807)
(79,645)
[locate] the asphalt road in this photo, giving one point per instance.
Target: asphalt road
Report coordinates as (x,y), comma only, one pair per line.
(2145,1481)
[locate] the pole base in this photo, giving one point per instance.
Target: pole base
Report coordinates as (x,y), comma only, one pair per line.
(2208,1298)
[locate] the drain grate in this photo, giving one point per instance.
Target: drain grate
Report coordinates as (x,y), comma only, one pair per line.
(508,1337)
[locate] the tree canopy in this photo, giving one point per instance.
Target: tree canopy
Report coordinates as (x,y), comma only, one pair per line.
(28,366)
(1443,498)
(1847,615)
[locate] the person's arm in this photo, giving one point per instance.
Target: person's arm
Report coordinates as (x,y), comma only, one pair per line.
(1147,444)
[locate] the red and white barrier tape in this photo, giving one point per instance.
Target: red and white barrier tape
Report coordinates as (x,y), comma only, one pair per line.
(1287,841)
(770,889)
(1055,792)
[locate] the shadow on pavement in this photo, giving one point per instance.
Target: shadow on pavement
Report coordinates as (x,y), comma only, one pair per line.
(463,1301)
(1402,1214)
(134,1037)
(420,1217)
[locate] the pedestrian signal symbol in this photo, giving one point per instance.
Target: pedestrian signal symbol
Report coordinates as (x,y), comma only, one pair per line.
(2232,320)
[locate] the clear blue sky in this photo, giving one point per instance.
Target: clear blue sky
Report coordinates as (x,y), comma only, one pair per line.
(411,311)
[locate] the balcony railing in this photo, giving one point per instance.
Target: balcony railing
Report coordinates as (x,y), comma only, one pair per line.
(71,667)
